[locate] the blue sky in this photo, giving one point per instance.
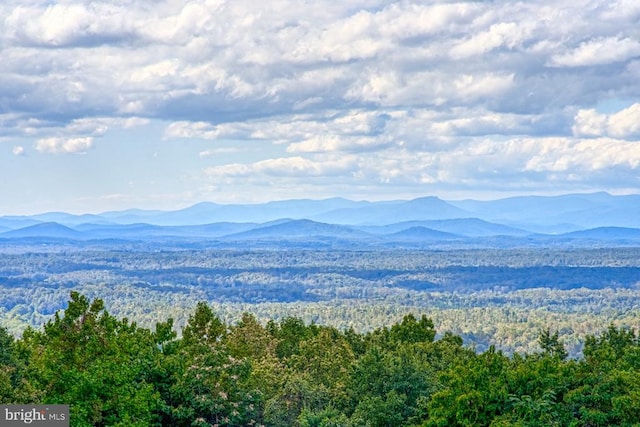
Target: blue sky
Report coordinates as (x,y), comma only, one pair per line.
(107,105)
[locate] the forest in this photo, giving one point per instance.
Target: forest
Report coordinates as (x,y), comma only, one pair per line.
(499,297)
(114,372)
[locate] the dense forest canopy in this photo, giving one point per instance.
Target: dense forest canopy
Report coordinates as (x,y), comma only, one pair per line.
(488,297)
(114,372)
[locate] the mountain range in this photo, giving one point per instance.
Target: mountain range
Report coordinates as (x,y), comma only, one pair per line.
(530,220)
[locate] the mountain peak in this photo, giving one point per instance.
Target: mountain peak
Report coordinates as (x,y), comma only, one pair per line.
(45,229)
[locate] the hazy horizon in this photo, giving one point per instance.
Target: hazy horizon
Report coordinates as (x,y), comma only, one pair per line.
(257,203)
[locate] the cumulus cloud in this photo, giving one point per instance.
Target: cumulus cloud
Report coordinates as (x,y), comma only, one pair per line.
(504,34)
(624,124)
(56,145)
(510,165)
(359,131)
(285,167)
(412,93)
(571,157)
(217,151)
(220,60)
(18,150)
(232,61)
(302,130)
(68,25)
(598,51)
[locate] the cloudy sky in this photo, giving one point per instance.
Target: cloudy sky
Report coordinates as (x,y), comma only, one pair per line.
(163,103)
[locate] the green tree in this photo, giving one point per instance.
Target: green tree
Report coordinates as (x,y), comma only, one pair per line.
(329,417)
(208,385)
(203,327)
(14,387)
(250,339)
(326,358)
(474,392)
(380,411)
(609,390)
(537,386)
(98,363)
(412,330)
(299,394)
(551,345)
(289,333)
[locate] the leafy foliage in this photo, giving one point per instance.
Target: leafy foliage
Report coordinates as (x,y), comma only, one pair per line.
(289,373)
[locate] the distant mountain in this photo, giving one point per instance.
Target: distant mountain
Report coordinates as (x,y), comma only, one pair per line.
(69,219)
(130,216)
(301,228)
(532,206)
(509,217)
(146,231)
(469,227)
(207,212)
(606,233)
(46,229)
(16,222)
(580,210)
(200,213)
(425,208)
(422,233)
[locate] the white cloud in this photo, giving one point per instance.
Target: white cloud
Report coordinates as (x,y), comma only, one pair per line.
(288,129)
(77,136)
(185,129)
(622,10)
(513,164)
(624,124)
(18,150)
(579,157)
(333,143)
(471,87)
(57,145)
(285,168)
(590,123)
(208,60)
(359,131)
(503,34)
(598,51)
(411,93)
(218,151)
(59,25)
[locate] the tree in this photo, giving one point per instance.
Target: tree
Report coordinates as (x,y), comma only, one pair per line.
(551,345)
(289,333)
(250,339)
(609,391)
(474,392)
(14,387)
(209,386)
(203,327)
(411,330)
(99,363)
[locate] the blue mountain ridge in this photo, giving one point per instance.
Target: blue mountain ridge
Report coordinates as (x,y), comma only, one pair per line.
(300,228)
(422,233)
(516,216)
(45,229)
(469,227)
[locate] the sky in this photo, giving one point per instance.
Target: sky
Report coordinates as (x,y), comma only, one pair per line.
(160,104)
